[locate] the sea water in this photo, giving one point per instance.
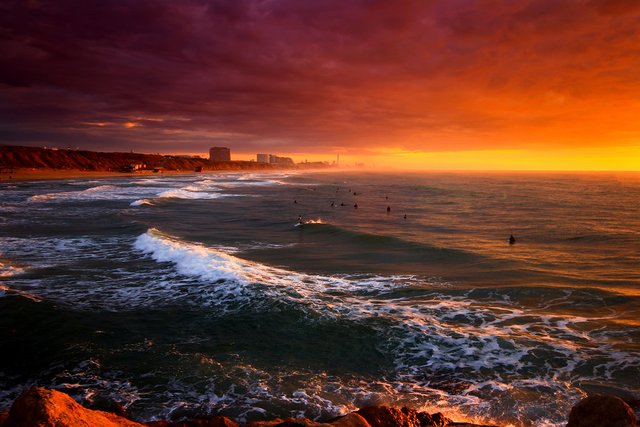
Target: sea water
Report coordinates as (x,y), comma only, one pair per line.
(180,296)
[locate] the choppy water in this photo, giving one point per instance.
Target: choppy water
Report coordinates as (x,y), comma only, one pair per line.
(184,296)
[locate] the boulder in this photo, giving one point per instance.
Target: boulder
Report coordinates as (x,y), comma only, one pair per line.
(599,411)
(287,422)
(383,416)
(48,408)
(350,420)
(216,421)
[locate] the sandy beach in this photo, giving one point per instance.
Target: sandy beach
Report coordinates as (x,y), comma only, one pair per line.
(27,174)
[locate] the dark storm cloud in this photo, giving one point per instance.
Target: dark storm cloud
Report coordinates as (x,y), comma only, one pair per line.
(304,75)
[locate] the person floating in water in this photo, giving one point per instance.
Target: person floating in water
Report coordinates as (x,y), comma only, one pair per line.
(333,204)
(405,216)
(512,240)
(342,204)
(355,206)
(295,202)
(300,220)
(388,209)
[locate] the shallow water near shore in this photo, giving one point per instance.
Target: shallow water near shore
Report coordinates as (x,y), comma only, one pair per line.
(187,296)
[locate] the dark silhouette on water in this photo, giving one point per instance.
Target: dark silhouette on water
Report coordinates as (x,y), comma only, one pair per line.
(355,206)
(405,216)
(388,209)
(512,240)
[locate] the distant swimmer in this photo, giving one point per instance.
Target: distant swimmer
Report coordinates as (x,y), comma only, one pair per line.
(386,197)
(512,240)
(355,194)
(342,204)
(355,206)
(295,202)
(405,216)
(388,209)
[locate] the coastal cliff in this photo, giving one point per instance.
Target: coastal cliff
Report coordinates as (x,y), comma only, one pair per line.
(17,157)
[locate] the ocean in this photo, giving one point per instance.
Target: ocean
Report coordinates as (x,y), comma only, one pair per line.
(181,296)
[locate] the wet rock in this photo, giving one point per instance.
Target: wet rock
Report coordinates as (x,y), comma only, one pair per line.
(383,416)
(600,411)
(49,408)
(435,420)
(216,421)
(287,422)
(350,420)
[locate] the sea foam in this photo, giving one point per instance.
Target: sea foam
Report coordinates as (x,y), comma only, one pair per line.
(440,342)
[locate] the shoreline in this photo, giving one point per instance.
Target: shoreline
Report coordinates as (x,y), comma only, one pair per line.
(47,407)
(45,174)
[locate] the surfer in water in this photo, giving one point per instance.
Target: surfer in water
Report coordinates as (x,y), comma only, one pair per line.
(512,240)
(300,220)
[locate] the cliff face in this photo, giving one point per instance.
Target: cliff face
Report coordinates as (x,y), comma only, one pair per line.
(35,157)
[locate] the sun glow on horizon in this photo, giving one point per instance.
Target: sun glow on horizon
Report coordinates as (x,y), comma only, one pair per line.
(618,159)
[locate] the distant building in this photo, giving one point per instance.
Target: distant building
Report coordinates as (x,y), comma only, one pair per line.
(273,159)
(219,154)
(133,167)
(281,160)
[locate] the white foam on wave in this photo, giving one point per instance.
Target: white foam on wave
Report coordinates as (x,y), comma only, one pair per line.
(100,192)
(183,193)
(212,264)
(142,202)
(441,343)
(435,339)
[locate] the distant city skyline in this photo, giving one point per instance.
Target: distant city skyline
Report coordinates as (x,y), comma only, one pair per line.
(439,84)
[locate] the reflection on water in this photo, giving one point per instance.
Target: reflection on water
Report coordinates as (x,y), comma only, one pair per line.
(196,295)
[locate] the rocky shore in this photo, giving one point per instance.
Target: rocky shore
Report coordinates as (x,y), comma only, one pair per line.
(49,408)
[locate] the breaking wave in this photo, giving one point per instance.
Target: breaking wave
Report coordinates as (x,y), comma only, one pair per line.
(449,349)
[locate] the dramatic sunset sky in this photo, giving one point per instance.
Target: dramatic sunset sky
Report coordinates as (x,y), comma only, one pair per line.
(442,84)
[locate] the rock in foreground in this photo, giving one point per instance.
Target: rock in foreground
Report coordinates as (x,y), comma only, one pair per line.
(48,408)
(600,411)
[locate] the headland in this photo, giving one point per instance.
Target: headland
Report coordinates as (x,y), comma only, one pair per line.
(20,163)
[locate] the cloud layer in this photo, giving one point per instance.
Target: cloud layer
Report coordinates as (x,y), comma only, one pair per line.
(319,76)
